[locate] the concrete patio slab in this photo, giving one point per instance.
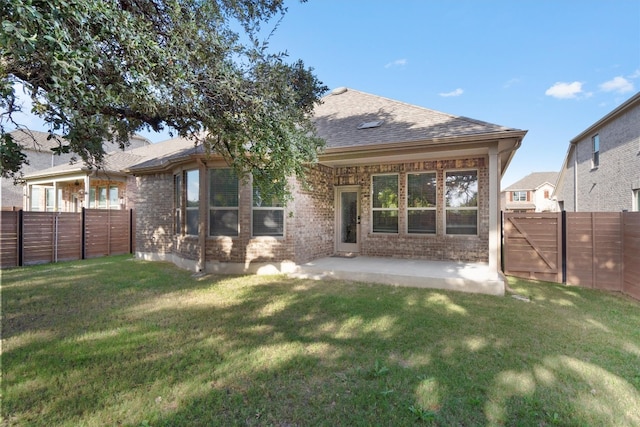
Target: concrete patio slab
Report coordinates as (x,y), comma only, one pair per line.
(463,277)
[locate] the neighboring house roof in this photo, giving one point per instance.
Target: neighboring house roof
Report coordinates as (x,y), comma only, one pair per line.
(34,140)
(533,181)
(120,161)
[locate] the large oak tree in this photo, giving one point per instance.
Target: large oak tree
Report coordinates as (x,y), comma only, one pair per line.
(99,70)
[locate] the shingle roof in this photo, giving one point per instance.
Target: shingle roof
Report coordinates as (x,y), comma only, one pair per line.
(340,117)
(117,161)
(533,181)
(34,140)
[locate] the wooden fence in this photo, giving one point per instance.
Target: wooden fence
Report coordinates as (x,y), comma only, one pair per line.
(589,249)
(28,238)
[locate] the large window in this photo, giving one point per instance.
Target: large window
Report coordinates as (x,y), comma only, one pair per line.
(385,203)
(192,183)
(114,202)
(223,202)
(636,200)
(49,199)
(595,155)
(421,203)
(267,215)
(461,196)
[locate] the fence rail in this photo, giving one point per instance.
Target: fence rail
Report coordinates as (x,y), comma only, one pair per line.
(28,238)
(589,249)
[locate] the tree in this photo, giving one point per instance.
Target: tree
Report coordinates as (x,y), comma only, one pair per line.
(101,70)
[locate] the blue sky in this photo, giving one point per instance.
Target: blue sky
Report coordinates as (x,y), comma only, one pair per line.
(550,67)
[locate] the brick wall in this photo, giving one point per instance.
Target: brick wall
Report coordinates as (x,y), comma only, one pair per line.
(313,221)
(154,214)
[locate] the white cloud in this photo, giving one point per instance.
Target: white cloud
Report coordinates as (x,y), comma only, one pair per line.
(635,74)
(456,92)
(617,84)
(563,90)
(512,82)
(397,63)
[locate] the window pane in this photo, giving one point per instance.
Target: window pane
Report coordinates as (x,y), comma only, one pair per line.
(93,203)
(113,197)
(385,191)
(421,190)
(385,221)
(192,221)
(193,201)
(193,188)
(102,197)
(223,188)
(223,222)
(35,199)
(49,199)
(268,222)
(462,222)
(462,189)
(422,221)
(265,199)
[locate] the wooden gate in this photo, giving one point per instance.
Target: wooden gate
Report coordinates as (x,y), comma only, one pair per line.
(533,247)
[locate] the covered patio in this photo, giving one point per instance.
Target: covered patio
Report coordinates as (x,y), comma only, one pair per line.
(447,275)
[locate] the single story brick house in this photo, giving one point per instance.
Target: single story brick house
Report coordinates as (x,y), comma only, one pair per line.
(395,180)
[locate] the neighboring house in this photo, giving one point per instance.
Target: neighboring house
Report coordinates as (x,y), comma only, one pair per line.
(395,180)
(601,171)
(70,187)
(531,194)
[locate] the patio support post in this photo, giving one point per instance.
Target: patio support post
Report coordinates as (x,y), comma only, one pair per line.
(494,211)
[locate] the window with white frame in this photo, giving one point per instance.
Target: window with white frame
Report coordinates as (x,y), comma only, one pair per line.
(102,197)
(421,203)
(384,201)
(267,214)
(461,202)
(49,199)
(595,155)
(636,200)
(223,202)
(36,202)
(178,204)
(192,185)
(114,202)
(519,196)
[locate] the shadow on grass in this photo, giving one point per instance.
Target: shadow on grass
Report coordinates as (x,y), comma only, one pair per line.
(131,342)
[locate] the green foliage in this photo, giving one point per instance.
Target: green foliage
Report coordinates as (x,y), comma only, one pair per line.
(101,70)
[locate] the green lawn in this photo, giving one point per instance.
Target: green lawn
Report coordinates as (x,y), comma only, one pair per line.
(114,341)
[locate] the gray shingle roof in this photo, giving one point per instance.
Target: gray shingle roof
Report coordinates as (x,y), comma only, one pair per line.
(34,140)
(340,117)
(533,181)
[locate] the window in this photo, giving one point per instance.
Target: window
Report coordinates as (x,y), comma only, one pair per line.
(223,202)
(385,203)
(421,203)
(636,200)
(60,199)
(461,196)
(102,197)
(178,204)
(519,196)
(595,157)
(92,198)
(49,199)
(268,214)
(192,182)
(114,203)
(546,194)
(36,203)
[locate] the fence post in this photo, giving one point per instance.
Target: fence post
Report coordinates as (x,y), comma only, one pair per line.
(84,231)
(20,239)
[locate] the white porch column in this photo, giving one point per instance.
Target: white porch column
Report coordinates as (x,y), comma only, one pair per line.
(494,211)
(55,196)
(87,186)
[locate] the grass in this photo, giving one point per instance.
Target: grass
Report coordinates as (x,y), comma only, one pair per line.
(114,341)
